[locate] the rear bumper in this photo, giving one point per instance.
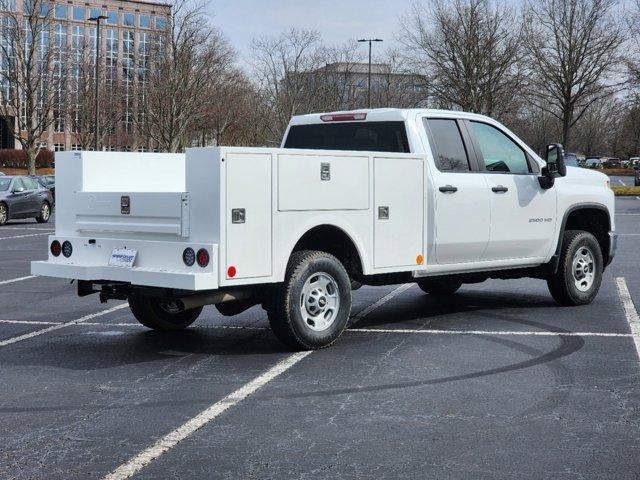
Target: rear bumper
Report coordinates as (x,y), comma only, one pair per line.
(158,263)
(134,276)
(613,246)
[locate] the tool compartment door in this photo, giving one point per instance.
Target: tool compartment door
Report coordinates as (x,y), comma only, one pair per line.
(398,211)
(248,215)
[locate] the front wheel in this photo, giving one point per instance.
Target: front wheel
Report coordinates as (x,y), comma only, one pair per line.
(579,273)
(162,315)
(45,213)
(4,214)
(311,308)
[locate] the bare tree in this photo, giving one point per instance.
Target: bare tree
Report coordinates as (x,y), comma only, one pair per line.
(226,120)
(469,50)
(286,68)
(574,48)
(184,61)
(82,100)
(32,73)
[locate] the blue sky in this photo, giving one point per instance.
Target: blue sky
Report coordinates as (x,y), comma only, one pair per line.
(337,20)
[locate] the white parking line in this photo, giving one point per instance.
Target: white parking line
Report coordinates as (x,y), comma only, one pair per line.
(144,458)
(32,322)
(490,332)
(28,228)
(382,301)
(25,236)
(621,182)
(58,326)
(14,280)
(630,311)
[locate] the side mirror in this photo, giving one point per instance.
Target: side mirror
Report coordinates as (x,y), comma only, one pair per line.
(18,190)
(555,161)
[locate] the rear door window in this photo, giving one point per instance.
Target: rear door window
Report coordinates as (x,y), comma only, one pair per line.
(352,136)
(447,145)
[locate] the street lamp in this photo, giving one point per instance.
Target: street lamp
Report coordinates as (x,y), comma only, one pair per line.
(97,109)
(370,40)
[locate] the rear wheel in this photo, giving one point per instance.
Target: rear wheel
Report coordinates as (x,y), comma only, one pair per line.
(311,308)
(161,315)
(4,214)
(45,213)
(436,286)
(579,273)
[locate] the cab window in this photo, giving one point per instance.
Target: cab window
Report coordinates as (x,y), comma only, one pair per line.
(500,153)
(447,145)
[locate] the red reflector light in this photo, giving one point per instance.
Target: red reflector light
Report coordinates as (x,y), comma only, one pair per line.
(231,271)
(56,248)
(343,117)
(203,257)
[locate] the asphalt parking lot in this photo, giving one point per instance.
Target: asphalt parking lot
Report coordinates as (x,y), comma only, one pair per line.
(496,382)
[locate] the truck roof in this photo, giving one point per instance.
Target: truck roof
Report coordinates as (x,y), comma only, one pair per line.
(380,115)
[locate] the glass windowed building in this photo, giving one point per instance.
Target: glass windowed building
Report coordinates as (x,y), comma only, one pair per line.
(124,51)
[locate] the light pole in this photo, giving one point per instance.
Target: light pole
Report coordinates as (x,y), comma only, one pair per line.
(370,40)
(97,109)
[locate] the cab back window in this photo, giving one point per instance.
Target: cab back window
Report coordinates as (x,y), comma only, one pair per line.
(357,136)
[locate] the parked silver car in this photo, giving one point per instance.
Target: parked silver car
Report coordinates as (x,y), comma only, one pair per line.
(24,197)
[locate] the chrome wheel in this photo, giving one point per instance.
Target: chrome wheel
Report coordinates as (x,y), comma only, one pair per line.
(45,212)
(583,269)
(319,301)
(3,214)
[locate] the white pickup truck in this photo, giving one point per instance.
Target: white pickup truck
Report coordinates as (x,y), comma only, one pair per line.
(372,197)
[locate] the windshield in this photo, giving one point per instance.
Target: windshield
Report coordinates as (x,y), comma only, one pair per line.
(4,184)
(354,136)
(46,181)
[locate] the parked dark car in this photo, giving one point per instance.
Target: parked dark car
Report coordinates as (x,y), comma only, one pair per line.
(637,177)
(48,182)
(24,197)
(612,163)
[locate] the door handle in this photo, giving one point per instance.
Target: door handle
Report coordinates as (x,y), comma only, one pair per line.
(499,189)
(448,189)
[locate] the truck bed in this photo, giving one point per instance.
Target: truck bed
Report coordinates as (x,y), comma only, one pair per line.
(247,207)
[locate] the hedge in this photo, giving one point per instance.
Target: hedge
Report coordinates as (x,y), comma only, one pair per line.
(625,191)
(18,158)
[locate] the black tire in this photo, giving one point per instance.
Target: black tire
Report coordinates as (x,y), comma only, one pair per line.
(436,286)
(563,285)
(285,310)
(4,213)
(45,213)
(154,314)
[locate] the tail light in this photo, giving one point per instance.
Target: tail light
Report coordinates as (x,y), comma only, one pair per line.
(189,257)
(67,248)
(55,248)
(203,257)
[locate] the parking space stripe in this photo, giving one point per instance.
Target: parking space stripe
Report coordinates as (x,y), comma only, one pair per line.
(31,322)
(144,458)
(490,332)
(360,315)
(25,236)
(14,280)
(58,326)
(28,228)
(630,311)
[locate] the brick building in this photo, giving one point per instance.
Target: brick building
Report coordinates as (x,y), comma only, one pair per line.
(125,37)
